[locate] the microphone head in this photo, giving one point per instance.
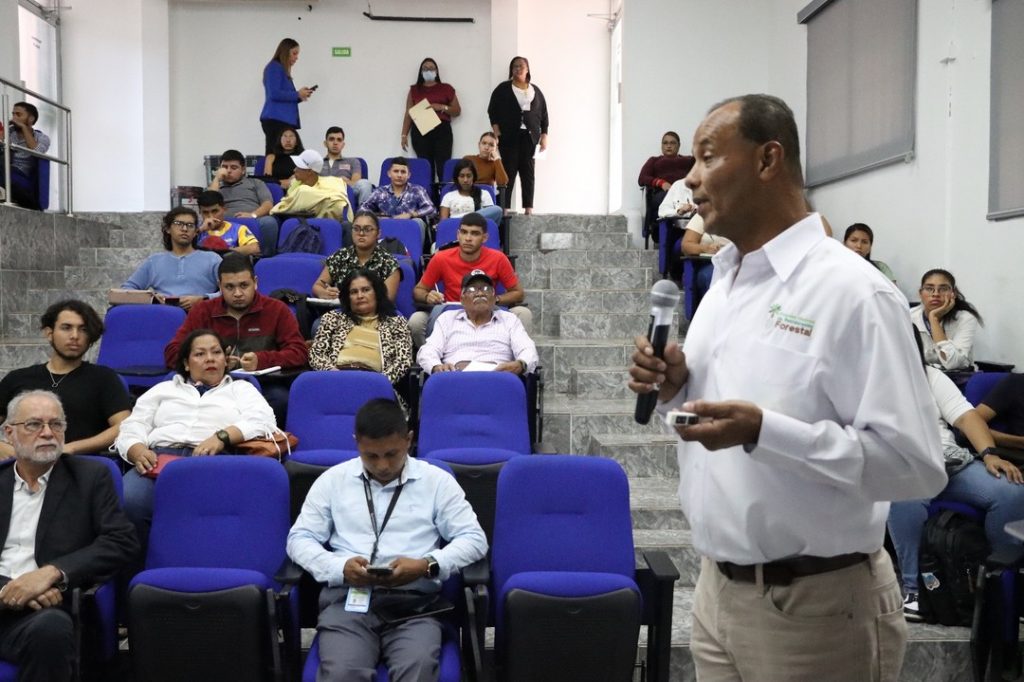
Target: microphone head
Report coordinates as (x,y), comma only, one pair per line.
(665,294)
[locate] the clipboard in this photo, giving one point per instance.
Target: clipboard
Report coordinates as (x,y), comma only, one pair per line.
(424,116)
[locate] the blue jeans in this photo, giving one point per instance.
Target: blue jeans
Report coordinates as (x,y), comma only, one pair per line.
(1001,501)
(269,229)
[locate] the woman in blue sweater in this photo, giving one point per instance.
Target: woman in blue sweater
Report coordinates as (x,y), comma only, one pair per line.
(281,108)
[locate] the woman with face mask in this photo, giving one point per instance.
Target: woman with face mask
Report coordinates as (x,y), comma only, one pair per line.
(436,145)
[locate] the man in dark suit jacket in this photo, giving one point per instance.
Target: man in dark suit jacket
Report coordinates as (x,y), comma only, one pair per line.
(61,527)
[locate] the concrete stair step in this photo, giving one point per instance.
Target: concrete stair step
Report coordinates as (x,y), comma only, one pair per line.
(531,258)
(114,256)
(581,279)
(560,356)
(20,352)
(103,276)
(144,238)
(548,304)
(599,383)
(605,325)
(655,505)
(569,422)
(555,241)
(640,454)
(524,231)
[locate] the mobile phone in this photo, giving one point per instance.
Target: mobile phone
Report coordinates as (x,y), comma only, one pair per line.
(380,571)
(680,418)
(314,87)
(172,300)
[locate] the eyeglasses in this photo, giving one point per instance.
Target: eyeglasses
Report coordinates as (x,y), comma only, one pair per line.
(36,425)
(180,223)
(358,229)
(941,289)
(483,289)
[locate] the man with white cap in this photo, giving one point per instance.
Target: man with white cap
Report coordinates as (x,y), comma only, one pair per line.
(314,194)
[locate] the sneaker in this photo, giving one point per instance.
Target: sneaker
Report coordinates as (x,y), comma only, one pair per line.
(911,611)
(3,194)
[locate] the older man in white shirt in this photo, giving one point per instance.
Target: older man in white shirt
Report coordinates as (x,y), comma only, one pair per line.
(478,333)
(814,414)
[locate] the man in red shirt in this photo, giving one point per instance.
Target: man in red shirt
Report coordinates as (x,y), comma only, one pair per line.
(448,267)
(260,331)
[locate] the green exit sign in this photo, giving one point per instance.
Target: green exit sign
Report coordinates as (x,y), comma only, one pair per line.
(341,51)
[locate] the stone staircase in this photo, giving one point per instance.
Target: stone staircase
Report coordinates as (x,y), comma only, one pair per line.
(588,289)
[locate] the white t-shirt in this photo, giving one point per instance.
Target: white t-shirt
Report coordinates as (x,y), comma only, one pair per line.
(459,205)
(951,403)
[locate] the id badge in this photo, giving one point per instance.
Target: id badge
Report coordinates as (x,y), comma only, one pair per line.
(358,600)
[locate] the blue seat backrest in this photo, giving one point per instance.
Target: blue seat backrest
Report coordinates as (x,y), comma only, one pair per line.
(136,334)
(296,271)
(330,233)
(228,512)
(979,386)
(406,231)
(322,406)
(473,409)
(259,166)
(115,472)
(420,173)
(364,169)
(252,223)
(448,171)
(448,231)
(562,513)
(450,187)
(404,302)
(276,192)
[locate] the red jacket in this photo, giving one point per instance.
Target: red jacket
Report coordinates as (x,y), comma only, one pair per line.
(268,328)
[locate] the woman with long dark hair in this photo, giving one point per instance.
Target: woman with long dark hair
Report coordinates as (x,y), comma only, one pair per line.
(859,238)
(281,104)
(436,144)
(467,197)
(945,321)
(278,166)
(519,117)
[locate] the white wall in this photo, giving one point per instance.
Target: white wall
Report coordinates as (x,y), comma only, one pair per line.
(115,82)
(9,40)
(218,52)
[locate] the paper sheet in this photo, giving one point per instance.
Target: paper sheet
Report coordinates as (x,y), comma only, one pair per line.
(476,366)
(423,115)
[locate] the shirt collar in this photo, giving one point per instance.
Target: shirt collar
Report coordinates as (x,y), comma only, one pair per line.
(412,470)
(784,252)
(462,315)
(21,484)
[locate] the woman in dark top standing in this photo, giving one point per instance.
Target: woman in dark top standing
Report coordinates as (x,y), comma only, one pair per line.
(519,117)
(436,145)
(281,106)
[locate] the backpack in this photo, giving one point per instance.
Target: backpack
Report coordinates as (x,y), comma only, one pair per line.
(394,246)
(953,552)
(303,239)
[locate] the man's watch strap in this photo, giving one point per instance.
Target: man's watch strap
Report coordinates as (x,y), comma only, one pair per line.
(62,584)
(224,437)
(988,451)
(433,568)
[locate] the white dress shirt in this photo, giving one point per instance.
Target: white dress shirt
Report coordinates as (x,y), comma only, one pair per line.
(174,412)
(19,551)
(818,339)
(957,351)
(430,508)
(456,339)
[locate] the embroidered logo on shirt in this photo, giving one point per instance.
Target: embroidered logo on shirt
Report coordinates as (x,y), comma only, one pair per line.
(788,322)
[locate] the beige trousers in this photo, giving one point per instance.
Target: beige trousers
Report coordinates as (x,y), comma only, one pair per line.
(844,625)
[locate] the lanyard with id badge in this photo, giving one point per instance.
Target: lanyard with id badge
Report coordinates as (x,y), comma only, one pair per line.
(358,600)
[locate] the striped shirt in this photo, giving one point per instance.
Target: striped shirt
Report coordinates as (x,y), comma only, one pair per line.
(456,339)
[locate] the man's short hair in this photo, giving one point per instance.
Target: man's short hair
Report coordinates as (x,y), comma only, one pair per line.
(93,323)
(766,118)
(235,262)
(332,130)
(233,155)
(400,161)
(30,109)
(474,219)
(170,217)
(210,197)
(380,418)
(15,403)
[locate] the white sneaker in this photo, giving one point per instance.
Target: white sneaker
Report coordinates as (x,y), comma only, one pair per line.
(3,195)
(911,610)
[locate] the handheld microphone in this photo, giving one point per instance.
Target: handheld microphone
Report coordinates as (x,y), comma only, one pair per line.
(664,299)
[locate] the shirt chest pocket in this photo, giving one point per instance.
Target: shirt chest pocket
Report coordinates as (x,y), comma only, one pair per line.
(773,377)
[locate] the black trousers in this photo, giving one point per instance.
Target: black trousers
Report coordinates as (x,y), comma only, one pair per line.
(40,642)
(272,131)
(435,146)
(517,157)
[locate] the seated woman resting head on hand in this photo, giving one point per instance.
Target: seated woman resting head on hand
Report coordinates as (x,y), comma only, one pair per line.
(946,322)
(201,411)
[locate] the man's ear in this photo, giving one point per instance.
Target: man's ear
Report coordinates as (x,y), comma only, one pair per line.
(772,160)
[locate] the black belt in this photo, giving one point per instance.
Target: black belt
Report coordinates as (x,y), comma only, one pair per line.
(785,571)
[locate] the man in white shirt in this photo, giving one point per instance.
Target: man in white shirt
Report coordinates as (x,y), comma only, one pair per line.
(478,332)
(411,507)
(61,527)
(814,414)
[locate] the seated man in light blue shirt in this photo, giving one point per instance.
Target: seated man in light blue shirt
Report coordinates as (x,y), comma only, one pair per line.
(181,272)
(383,509)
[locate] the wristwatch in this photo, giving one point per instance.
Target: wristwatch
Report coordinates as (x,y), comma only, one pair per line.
(433,568)
(62,584)
(224,437)
(987,451)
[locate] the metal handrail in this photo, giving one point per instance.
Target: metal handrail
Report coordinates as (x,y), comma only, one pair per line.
(5,108)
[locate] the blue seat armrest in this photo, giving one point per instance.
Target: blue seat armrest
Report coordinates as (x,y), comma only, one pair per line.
(1007,557)
(477,573)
